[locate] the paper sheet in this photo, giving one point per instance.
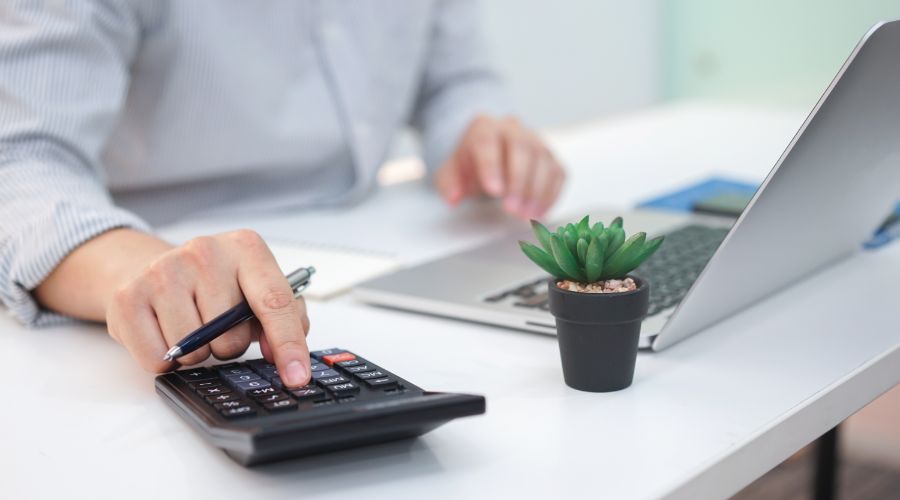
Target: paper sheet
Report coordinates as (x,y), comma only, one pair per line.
(337,269)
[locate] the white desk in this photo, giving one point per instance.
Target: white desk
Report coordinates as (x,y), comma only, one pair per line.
(702,420)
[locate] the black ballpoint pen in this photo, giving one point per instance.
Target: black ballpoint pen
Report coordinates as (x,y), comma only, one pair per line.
(298,280)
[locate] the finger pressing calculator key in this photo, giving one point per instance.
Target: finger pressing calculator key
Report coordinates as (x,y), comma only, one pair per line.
(244,408)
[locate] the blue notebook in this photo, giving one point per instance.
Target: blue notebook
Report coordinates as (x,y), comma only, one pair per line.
(887,232)
(683,200)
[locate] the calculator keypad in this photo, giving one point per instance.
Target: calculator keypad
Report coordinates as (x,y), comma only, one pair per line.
(253,387)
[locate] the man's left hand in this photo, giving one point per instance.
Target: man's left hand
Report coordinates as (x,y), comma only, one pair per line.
(502,159)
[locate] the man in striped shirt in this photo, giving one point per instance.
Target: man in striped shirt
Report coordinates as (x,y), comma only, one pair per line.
(117,115)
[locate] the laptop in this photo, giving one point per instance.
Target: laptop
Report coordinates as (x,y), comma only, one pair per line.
(835,182)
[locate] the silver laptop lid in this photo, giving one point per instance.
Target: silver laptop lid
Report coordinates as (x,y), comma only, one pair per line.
(835,182)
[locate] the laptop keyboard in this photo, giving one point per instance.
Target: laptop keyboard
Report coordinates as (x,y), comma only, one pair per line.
(671,271)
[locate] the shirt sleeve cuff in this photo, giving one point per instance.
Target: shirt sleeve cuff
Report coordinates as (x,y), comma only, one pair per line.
(32,254)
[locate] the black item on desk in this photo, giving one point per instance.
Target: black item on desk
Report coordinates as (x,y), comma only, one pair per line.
(244,409)
(598,335)
(728,204)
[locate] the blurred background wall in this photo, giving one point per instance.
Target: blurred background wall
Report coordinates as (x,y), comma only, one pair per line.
(571,60)
(780,52)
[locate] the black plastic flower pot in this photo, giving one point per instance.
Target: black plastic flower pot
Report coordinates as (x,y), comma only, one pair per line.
(598,335)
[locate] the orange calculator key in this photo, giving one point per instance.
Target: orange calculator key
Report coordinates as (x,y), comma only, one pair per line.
(331,359)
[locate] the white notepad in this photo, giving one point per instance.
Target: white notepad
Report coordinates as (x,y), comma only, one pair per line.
(337,269)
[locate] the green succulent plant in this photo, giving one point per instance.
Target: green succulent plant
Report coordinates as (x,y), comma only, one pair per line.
(587,254)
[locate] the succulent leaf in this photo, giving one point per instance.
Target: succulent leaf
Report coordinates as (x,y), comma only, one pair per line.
(584,224)
(616,264)
(617,222)
(581,248)
(648,249)
(616,238)
(565,260)
(597,229)
(603,239)
(593,266)
(570,237)
(544,260)
(542,234)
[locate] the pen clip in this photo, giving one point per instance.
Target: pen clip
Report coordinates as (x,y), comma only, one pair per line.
(301,288)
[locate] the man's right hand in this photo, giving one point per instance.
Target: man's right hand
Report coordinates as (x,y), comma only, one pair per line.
(152,295)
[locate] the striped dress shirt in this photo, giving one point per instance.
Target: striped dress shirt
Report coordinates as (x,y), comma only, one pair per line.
(131,113)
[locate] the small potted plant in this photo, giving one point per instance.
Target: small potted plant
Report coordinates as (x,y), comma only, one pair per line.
(598,306)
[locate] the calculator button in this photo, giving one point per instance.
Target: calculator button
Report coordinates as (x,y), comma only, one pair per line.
(381,382)
(252,384)
(195,374)
(372,374)
(240,411)
(325,373)
(333,380)
(318,367)
(350,362)
(360,368)
(265,391)
(337,358)
(225,405)
(242,377)
(260,364)
(205,383)
(284,404)
(235,370)
(269,398)
(342,389)
(308,392)
(221,398)
(212,391)
(326,352)
(268,373)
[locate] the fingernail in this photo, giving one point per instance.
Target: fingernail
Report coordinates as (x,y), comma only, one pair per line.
(534,210)
(496,185)
(295,374)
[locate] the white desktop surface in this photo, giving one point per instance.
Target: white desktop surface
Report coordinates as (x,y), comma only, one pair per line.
(703,418)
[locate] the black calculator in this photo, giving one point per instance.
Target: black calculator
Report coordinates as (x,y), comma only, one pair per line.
(244,408)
